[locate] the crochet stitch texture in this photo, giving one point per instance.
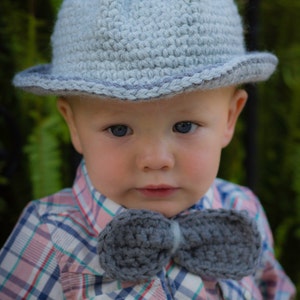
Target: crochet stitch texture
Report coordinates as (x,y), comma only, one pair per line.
(137,50)
(219,244)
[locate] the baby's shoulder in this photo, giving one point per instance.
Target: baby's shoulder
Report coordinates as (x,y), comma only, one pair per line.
(62,203)
(58,214)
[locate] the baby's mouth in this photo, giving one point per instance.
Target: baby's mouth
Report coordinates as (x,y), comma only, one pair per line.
(157,191)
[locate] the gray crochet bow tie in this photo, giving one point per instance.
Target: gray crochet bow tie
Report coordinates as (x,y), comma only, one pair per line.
(219,244)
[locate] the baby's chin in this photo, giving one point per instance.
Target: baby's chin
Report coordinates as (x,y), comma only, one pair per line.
(168,212)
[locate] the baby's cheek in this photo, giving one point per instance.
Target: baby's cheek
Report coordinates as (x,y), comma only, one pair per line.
(200,172)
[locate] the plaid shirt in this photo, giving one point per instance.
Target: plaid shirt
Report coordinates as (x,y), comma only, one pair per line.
(51,254)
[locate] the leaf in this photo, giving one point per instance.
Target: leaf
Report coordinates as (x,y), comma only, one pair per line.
(45,157)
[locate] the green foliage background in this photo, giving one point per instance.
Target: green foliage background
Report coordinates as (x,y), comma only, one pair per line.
(41,155)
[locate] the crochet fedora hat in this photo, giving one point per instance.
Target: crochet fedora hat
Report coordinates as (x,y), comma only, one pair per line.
(142,49)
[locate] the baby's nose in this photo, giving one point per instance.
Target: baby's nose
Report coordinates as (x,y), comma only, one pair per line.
(155,155)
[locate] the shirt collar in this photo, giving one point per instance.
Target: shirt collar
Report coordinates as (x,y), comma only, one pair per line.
(99,210)
(211,199)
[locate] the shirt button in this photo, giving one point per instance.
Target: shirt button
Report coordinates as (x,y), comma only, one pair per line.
(247,295)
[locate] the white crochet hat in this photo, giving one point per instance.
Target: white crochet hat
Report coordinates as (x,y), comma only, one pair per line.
(142,49)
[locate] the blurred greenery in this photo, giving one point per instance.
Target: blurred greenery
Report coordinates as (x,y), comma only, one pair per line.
(36,158)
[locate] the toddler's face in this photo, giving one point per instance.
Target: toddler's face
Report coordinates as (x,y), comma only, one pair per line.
(161,155)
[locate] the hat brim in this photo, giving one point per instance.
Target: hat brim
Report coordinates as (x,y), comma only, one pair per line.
(249,68)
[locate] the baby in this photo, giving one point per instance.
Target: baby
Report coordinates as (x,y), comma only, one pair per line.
(150,91)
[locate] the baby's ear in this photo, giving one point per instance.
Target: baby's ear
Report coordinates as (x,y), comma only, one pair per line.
(236,106)
(66,111)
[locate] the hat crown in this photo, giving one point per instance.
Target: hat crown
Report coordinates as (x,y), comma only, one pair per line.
(126,40)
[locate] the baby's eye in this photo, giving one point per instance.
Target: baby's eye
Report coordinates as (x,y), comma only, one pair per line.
(185,127)
(119,130)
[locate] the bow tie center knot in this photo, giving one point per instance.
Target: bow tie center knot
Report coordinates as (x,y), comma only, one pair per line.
(177,236)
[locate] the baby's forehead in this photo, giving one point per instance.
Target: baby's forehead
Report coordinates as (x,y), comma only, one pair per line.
(186,102)
(183,97)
